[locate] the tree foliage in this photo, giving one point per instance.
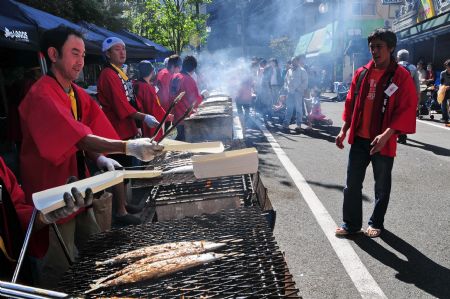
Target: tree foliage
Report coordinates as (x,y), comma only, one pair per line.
(282,47)
(106,13)
(172,23)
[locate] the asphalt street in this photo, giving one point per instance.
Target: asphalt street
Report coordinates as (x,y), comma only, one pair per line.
(412,257)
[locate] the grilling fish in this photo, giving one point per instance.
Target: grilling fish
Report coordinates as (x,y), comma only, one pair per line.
(182,251)
(159,269)
(143,252)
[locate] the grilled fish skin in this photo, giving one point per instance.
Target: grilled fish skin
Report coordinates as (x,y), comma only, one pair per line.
(159,269)
(182,251)
(152,250)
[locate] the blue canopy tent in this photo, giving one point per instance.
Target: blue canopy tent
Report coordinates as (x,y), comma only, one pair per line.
(17,31)
(45,21)
(163,52)
(136,50)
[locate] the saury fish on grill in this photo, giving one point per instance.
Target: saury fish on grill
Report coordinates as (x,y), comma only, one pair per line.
(147,251)
(159,269)
(182,251)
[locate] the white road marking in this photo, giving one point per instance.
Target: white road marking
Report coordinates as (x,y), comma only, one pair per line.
(362,279)
(440,126)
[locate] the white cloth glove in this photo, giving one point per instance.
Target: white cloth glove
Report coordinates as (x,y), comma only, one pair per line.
(150,121)
(73,203)
(143,149)
(107,163)
(204,93)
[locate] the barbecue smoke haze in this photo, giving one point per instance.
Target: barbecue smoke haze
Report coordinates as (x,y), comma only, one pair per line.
(222,71)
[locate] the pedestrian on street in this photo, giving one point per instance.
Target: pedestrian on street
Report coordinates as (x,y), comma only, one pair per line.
(379,106)
(402,58)
(296,84)
(445,84)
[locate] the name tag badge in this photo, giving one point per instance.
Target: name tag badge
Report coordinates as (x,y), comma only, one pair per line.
(391,89)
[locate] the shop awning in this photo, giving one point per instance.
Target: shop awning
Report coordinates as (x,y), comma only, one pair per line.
(316,43)
(425,30)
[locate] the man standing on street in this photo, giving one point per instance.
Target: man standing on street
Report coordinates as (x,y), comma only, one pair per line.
(402,58)
(445,84)
(383,107)
(296,84)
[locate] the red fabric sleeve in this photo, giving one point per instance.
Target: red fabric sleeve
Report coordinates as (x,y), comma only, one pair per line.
(95,119)
(51,124)
(403,117)
(17,195)
(113,94)
(349,101)
(192,92)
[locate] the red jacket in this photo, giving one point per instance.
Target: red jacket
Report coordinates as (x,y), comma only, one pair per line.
(400,114)
(184,82)
(50,137)
(112,97)
(148,103)
(163,83)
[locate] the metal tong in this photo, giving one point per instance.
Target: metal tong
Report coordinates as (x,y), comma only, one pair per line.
(14,290)
(174,125)
(172,105)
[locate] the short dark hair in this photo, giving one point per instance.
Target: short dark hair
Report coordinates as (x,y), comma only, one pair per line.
(189,64)
(385,35)
(145,68)
(447,63)
(56,38)
(174,61)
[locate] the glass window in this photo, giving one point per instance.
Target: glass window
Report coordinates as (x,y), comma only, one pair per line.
(363,8)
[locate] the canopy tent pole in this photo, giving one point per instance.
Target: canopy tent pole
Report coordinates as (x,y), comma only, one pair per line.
(42,63)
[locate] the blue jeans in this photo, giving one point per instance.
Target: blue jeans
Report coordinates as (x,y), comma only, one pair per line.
(294,100)
(359,159)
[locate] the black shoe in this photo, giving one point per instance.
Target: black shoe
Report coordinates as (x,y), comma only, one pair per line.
(127,219)
(402,139)
(443,120)
(133,209)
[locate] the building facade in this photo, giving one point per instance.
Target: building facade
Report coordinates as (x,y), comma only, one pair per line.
(423,27)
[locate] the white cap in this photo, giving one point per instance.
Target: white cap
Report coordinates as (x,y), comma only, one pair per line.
(110,42)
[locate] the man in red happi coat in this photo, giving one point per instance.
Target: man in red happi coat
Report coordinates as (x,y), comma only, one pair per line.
(62,128)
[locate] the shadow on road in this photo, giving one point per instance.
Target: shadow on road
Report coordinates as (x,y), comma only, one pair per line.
(437,150)
(418,269)
(340,188)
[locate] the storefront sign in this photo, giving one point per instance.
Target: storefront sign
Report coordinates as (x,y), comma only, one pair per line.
(428,8)
(387,2)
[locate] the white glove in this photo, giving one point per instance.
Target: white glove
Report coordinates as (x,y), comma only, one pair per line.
(150,121)
(107,163)
(204,93)
(143,149)
(73,203)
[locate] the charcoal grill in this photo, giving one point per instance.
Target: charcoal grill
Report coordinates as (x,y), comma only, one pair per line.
(253,266)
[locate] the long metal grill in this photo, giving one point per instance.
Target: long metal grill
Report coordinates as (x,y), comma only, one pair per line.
(253,266)
(232,186)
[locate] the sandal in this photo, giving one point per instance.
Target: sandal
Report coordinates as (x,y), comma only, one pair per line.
(342,232)
(372,232)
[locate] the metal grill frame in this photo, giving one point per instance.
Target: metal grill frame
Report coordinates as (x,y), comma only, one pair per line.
(253,266)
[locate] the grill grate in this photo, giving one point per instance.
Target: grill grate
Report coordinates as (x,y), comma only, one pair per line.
(252,268)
